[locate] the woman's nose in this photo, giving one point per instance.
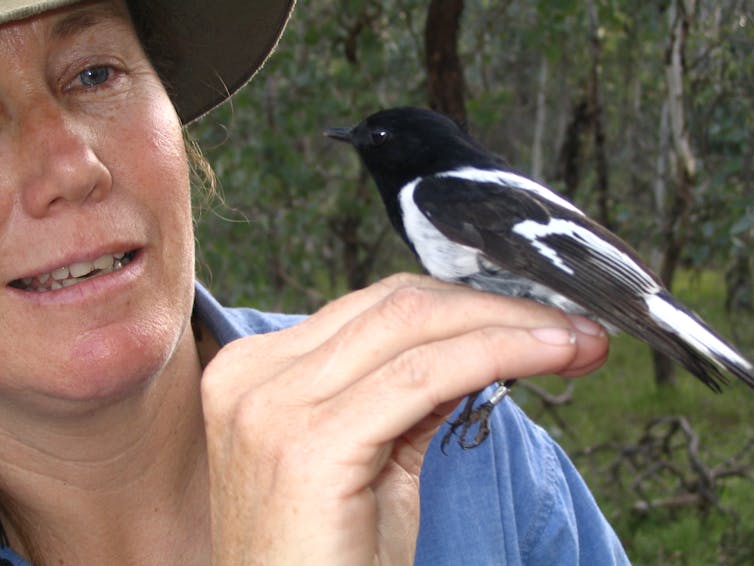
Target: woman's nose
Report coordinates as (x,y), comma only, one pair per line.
(57,162)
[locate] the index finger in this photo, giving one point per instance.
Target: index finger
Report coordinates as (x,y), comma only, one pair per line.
(327,321)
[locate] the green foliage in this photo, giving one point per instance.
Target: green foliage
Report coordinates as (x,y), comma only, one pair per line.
(608,413)
(306,222)
(299,207)
(301,222)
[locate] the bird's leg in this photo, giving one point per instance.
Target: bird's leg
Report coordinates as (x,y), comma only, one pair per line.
(481,415)
(462,420)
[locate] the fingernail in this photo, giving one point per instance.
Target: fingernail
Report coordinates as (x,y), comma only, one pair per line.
(554,336)
(586,325)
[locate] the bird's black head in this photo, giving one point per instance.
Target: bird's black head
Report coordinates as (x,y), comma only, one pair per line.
(400,144)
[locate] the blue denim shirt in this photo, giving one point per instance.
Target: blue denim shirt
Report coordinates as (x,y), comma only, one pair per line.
(516,499)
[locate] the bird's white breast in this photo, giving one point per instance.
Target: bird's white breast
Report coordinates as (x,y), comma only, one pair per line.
(440,256)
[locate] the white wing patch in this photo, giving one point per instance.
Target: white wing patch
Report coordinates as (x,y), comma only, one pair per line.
(440,256)
(682,324)
(547,251)
(507,178)
(615,260)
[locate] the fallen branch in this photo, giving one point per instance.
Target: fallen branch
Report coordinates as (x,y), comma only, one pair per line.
(668,470)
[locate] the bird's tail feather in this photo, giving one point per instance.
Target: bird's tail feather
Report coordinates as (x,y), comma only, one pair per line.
(695,345)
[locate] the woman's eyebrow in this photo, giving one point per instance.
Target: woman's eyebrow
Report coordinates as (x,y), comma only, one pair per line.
(85,17)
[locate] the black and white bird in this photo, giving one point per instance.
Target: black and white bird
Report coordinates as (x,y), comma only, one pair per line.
(469,219)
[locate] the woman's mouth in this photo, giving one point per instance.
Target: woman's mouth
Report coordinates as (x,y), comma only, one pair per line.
(74,273)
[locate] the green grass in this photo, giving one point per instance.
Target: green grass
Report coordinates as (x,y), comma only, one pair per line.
(611,409)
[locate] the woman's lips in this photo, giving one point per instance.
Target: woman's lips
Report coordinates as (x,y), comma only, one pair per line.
(76,272)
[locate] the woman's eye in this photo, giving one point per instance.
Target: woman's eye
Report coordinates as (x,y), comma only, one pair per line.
(93,76)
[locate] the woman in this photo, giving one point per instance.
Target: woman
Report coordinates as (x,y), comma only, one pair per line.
(137,426)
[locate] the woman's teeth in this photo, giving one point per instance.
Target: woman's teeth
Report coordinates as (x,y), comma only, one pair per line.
(74,273)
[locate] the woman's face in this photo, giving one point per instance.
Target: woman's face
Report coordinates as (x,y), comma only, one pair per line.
(96,242)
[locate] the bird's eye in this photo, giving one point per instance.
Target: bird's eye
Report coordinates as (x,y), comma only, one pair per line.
(379,136)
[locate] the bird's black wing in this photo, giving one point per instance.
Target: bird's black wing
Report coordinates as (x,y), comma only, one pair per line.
(530,234)
(525,233)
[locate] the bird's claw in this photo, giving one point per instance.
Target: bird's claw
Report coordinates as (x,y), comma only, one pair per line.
(466,421)
(479,416)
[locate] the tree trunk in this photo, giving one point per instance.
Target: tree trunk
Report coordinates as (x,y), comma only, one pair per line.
(537,169)
(739,291)
(678,216)
(357,252)
(595,101)
(660,185)
(571,150)
(445,81)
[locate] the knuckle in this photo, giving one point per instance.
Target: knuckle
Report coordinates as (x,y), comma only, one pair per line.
(213,385)
(229,374)
(213,377)
(492,348)
(414,368)
(491,340)
(407,306)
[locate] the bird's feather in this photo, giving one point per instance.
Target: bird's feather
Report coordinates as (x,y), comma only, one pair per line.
(470,219)
(519,235)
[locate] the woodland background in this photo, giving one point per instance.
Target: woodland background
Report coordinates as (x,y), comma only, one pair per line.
(642,112)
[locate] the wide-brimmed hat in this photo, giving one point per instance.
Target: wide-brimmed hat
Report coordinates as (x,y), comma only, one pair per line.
(203,50)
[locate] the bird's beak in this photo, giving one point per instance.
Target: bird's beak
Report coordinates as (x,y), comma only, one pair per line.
(342,134)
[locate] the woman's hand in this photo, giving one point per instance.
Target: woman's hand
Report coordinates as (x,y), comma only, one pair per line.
(316,434)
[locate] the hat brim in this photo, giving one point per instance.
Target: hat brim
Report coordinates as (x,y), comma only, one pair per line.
(204,50)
